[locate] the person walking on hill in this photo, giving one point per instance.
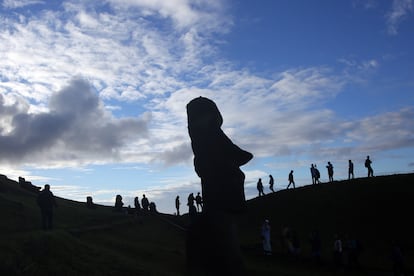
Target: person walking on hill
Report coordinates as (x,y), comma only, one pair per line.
(291,180)
(317,175)
(177,205)
(46,201)
(368,163)
(271,183)
(330,171)
(260,187)
(350,170)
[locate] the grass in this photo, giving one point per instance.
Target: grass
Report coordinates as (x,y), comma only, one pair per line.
(102,242)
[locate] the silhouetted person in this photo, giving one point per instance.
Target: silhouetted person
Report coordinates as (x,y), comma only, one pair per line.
(199,202)
(368,163)
(350,170)
(285,240)
(118,203)
(295,244)
(177,205)
(190,200)
(130,211)
(397,258)
(337,252)
(145,203)
(89,203)
(192,210)
(137,205)
(316,246)
(152,207)
(291,180)
(352,248)
(271,183)
(265,233)
(317,175)
(330,171)
(46,201)
(313,174)
(217,162)
(260,187)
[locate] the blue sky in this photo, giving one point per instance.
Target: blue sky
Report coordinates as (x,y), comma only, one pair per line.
(93,93)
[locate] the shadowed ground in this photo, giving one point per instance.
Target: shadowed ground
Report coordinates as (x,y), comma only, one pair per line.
(102,242)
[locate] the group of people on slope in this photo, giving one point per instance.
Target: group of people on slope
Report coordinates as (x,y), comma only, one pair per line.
(315,173)
(192,208)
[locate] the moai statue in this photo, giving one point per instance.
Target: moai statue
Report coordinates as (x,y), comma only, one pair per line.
(217,162)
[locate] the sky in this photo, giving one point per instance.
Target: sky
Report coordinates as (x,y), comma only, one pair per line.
(93,94)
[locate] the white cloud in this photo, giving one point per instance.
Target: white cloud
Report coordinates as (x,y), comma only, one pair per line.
(160,67)
(399,12)
(204,14)
(390,130)
(13,4)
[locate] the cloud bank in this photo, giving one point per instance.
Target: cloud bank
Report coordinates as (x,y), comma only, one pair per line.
(156,56)
(76,129)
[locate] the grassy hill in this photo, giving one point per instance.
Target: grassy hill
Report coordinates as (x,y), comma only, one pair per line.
(103,242)
(376,211)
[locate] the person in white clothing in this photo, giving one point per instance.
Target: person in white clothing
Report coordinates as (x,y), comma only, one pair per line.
(337,251)
(267,247)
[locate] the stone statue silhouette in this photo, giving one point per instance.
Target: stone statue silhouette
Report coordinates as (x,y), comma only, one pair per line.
(217,162)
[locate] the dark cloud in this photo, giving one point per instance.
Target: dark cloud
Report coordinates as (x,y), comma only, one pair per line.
(179,154)
(77,126)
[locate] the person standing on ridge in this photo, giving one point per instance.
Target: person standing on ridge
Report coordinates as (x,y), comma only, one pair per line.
(330,171)
(137,205)
(177,205)
(271,183)
(145,203)
(46,201)
(199,202)
(368,163)
(350,170)
(313,174)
